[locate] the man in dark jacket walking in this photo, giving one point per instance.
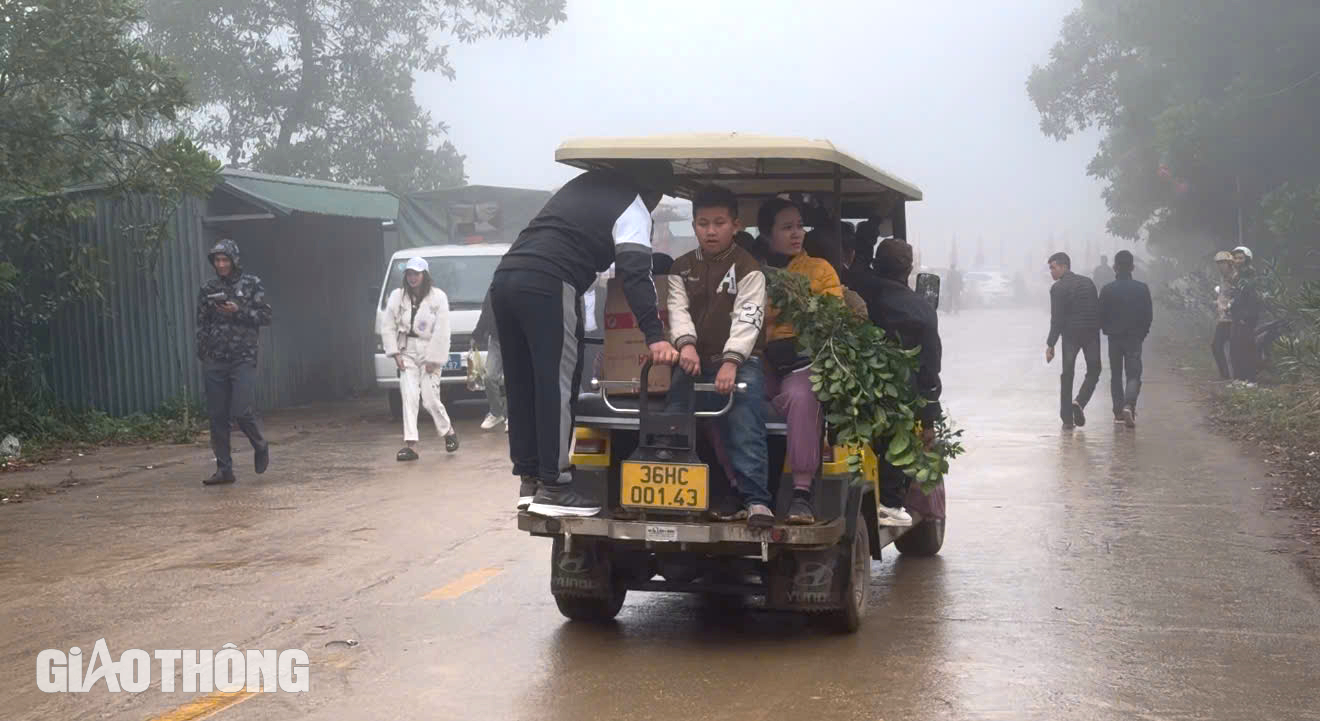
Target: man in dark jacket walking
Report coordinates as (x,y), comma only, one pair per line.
(599,218)
(1125,316)
(1074,317)
(231,309)
(911,320)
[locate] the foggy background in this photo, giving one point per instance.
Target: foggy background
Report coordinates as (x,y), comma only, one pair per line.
(933,92)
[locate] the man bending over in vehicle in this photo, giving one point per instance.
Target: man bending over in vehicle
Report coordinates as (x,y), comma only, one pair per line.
(716,310)
(910,320)
(599,218)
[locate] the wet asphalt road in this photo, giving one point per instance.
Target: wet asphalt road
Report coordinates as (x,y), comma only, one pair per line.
(1101,574)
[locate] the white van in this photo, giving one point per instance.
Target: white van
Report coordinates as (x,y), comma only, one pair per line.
(464,273)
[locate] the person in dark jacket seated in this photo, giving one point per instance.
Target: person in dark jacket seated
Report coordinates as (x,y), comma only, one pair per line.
(909,319)
(1074,317)
(1125,316)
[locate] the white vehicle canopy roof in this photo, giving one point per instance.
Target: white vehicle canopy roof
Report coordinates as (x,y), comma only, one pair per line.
(431,251)
(752,166)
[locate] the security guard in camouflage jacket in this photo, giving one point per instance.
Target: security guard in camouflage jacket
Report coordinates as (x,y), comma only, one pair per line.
(231,309)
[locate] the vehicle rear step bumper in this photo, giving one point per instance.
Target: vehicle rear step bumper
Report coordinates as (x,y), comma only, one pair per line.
(655,531)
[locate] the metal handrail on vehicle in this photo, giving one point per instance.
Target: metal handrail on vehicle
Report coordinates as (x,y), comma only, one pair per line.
(635,386)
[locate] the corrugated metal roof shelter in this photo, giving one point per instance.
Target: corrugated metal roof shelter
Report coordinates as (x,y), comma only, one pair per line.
(317,247)
(285,196)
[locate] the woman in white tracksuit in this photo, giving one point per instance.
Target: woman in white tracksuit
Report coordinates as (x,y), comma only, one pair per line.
(415,333)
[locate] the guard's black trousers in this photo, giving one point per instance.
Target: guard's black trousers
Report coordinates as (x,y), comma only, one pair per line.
(1219,347)
(539,320)
(231,394)
(1245,355)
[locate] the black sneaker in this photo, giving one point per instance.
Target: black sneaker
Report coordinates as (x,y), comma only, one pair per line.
(261,460)
(451,442)
(526,491)
(800,512)
(1079,418)
(405,454)
(219,478)
(562,500)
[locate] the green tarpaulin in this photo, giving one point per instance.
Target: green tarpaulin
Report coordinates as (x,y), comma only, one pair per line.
(469,214)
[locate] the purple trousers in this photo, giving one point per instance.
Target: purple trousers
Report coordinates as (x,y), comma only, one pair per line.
(791,397)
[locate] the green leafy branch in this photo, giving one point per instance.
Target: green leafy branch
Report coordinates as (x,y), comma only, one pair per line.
(864,382)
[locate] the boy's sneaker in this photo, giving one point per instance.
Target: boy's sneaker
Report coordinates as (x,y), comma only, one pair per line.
(1079,418)
(886,516)
(451,442)
(759,515)
(561,500)
(261,460)
(1129,417)
(526,491)
(491,421)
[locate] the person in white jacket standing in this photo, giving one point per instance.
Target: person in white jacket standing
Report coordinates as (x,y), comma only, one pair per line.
(415,333)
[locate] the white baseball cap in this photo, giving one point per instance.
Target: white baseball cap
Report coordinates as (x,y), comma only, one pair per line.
(1243,250)
(418,264)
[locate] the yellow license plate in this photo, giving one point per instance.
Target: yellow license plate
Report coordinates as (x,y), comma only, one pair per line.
(665,486)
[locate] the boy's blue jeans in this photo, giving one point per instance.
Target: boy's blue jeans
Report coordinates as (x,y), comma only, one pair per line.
(741,430)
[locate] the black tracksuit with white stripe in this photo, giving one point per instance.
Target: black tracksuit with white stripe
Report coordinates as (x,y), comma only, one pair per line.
(596,220)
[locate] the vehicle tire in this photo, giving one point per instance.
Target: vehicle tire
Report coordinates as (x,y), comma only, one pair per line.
(593,610)
(924,540)
(590,608)
(396,405)
(849,618)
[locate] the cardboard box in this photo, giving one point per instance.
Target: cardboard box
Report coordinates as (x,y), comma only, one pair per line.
(625,349)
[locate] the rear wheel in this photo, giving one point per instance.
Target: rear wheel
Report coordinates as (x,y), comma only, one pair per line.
(924,540)
(593,610)
(849,618)
(589,608)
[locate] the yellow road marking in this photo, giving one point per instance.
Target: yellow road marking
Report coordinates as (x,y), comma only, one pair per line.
(206,706)
(469,582)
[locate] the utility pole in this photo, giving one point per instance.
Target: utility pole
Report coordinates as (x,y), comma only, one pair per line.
(1238,180)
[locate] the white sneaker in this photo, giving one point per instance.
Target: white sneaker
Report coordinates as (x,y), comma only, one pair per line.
(491,421)
(506,425)
(886,516)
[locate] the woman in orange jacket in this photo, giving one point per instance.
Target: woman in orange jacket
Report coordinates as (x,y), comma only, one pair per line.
(788,380)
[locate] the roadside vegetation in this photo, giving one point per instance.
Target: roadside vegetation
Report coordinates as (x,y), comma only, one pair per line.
(52,431)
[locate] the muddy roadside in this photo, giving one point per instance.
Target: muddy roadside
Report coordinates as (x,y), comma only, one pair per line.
(1279,424)
(80,468)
